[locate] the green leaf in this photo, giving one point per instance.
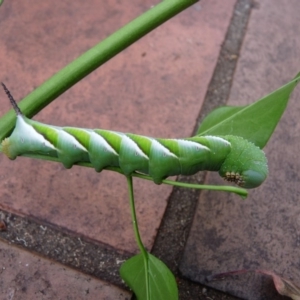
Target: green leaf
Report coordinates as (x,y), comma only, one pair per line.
(162,284)
(255,122)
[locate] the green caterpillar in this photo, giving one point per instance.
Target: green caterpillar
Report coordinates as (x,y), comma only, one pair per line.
(236,159)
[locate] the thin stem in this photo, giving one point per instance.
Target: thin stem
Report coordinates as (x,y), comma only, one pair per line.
(134,218)
(137,233)
(221,188)
(93,58)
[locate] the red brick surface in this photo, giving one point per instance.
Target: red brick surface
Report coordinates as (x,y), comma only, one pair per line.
(263,231)
(156,87)
(28,276)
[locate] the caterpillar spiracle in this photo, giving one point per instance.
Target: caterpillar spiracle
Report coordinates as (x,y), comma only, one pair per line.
(236,159)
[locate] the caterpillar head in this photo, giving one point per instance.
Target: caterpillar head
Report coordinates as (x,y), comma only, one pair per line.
(246,164)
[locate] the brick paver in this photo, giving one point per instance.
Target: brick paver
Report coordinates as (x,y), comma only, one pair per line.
(263,231)
(156,87)
(28,276)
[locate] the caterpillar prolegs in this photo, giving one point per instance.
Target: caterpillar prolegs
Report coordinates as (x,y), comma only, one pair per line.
(236,159)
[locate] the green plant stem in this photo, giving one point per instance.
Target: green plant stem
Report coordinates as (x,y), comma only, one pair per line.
(92,59)
(221,188)
(137,233)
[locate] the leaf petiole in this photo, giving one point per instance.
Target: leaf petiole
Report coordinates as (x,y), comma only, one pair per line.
(137,233)
(221,188)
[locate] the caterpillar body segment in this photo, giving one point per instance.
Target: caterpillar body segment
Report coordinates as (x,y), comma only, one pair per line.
(159,158)
(236,159)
